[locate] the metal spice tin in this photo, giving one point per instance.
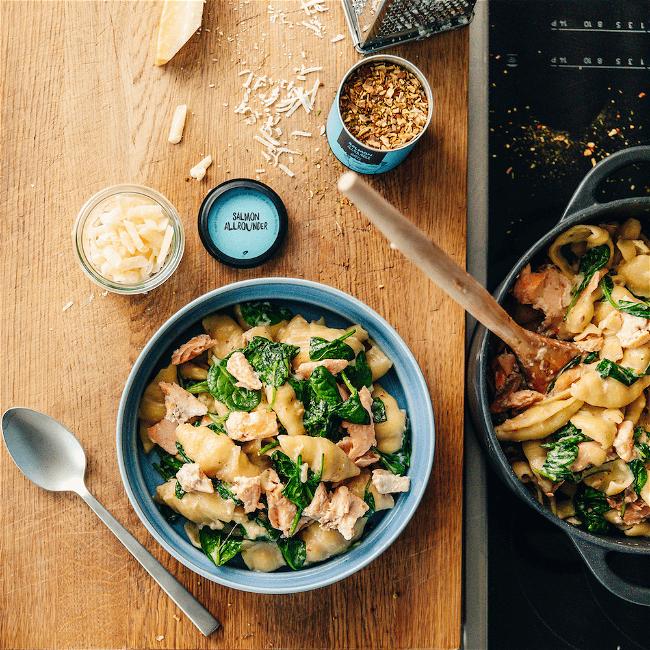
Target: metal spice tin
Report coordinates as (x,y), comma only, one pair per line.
(352,152)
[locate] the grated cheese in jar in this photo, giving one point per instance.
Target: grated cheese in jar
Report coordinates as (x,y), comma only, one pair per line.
(129,240)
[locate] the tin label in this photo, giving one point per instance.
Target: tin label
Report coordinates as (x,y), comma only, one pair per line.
(363,155)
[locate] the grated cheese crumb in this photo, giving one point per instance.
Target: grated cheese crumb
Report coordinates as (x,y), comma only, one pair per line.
(68,305)
(286,170)
(337,38)
(178,124)
(199,170)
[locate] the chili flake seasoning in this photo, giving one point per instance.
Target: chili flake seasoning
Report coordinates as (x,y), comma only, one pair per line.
(383,106)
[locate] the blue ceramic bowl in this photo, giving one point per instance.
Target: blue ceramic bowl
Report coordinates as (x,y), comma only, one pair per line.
(404,381)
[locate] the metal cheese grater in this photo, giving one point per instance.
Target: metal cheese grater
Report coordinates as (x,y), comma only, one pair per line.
(377,24)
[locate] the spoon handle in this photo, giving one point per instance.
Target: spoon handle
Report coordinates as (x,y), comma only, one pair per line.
(436,264)
(188,604)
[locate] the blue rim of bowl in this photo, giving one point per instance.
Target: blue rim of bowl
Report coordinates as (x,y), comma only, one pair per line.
(420,413)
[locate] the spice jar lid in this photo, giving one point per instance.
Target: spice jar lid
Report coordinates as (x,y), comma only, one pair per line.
(242,223)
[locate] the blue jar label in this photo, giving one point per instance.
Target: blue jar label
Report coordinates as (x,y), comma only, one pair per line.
(243,224)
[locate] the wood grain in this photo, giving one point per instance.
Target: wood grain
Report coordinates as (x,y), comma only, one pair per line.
(83,107)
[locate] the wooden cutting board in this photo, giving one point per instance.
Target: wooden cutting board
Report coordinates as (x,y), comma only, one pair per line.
(83,107)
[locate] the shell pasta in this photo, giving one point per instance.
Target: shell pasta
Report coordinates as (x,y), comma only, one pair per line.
(583,447)
(273,439)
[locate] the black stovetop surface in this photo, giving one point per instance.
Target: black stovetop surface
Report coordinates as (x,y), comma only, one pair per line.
(567,78)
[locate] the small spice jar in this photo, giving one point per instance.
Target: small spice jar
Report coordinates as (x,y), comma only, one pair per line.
(128,239)
(383,106)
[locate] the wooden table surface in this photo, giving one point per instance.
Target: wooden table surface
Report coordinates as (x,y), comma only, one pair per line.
(84,107)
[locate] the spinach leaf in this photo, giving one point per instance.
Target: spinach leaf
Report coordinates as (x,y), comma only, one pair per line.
(299,493)
(301,389)
(263,313)
(294,552)
(569,433)
(179,492)
(217,423)
(169,464)
(163,471)
(225,492)
(320,419)
(369,499)
(642,310)
(197,387)
(557,463)
(352,410)
(572,364)
(221,385)
(182,454)
(320,348)
(640,474)
(323,385)
(273,533)
(562,454)
(360,374)
(590,505)
(398,462)
(626,376)
(378,411)
(271,445)
(219,547)
(591,262)
(169,515)
(270,360)
(642,448)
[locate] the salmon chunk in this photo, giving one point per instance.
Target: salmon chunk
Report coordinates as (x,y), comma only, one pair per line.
(281,511)
(193,479)
(343,511)
(242,426)
(361,437)
(387,482)
(243,372)
(181,406)
(548,290)
(190,350)
(248,489)
(163,433)
(335,366)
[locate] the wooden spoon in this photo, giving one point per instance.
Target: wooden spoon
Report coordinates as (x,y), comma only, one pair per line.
(541,358)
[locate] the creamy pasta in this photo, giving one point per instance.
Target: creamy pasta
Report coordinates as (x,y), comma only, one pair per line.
(583,447)
(274,438)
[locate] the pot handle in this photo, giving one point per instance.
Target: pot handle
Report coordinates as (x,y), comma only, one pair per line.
(594,557)
(585,196)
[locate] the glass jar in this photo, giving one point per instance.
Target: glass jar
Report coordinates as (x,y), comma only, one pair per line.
(101,205)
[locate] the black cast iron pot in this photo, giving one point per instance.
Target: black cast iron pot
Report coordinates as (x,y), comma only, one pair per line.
(583,208)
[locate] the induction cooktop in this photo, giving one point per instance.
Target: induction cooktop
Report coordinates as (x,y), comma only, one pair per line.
(555,86)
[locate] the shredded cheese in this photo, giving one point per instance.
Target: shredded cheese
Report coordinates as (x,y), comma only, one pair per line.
(178,124)
(129,240)
(199,170)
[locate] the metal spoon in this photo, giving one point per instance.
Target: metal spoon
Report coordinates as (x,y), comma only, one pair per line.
(541,358)
(48,454)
